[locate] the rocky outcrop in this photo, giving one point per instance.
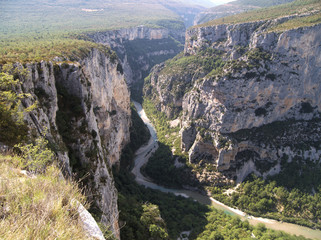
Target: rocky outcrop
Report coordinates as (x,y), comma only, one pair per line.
(85,108)
(258,107)
(88,223)
(140,48)
(113,37)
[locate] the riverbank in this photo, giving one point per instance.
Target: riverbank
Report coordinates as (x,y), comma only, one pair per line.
(142,156)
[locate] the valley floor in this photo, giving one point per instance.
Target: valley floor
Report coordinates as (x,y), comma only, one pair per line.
(142,156)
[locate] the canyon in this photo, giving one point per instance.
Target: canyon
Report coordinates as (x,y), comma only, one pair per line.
(140,48)
(257,107)
(243,96)
(85,104)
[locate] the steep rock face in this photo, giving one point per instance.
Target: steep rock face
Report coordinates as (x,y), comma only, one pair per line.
(167,89)
(140,48)
(85,108)
(259,108)
(128,34)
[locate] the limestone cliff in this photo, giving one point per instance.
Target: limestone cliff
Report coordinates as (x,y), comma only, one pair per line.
(248,95)
(85,106)
(140,48)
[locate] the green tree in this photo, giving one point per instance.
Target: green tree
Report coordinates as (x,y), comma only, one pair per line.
(152,219)
(157,232)
(36,157)
(13,129)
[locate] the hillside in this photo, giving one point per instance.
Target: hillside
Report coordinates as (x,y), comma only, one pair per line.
(234,7)
(31,30)
(47,17)
(303,12)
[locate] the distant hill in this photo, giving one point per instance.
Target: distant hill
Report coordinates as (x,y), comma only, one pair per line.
(202,3)
(261,3)
(304,12)
(35,16)
(36,27)
(234,7)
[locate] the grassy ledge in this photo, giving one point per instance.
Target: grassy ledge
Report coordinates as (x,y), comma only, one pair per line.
(26,49)
(37,206)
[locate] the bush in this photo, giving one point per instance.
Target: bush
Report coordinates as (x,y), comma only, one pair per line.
(12,127)
(36,157)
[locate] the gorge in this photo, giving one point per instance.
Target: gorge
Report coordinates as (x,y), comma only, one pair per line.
(141,158)
(248,130)
(224,100)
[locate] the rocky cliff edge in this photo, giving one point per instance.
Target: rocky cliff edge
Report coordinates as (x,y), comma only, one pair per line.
(85,107)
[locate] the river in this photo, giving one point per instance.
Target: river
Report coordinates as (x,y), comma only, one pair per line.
(142,156)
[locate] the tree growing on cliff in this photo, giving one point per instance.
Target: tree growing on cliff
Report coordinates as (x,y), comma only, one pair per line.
(13,129)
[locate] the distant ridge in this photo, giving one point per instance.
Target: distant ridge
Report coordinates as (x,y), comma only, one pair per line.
(235,7)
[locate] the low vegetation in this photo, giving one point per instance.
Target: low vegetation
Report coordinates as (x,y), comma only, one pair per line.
(160,166)
(222,226)
(235,7)
(203,63)
(48,17)
(28,50)
(262,3)
(294,195)
(296,7)
(41,206)
(298,22)
(41,30)
(165,133)
(66,47)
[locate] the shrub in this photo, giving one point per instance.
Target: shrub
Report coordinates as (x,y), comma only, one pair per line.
(13,129)
(36,157)
(260,111)
(306,108)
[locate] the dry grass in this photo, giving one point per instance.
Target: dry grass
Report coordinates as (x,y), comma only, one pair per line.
(298,22)
(37,207)
(296,7)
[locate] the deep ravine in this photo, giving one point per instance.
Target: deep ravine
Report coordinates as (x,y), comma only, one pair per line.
(144,153)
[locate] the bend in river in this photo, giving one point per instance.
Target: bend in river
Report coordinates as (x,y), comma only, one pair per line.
(144,153)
